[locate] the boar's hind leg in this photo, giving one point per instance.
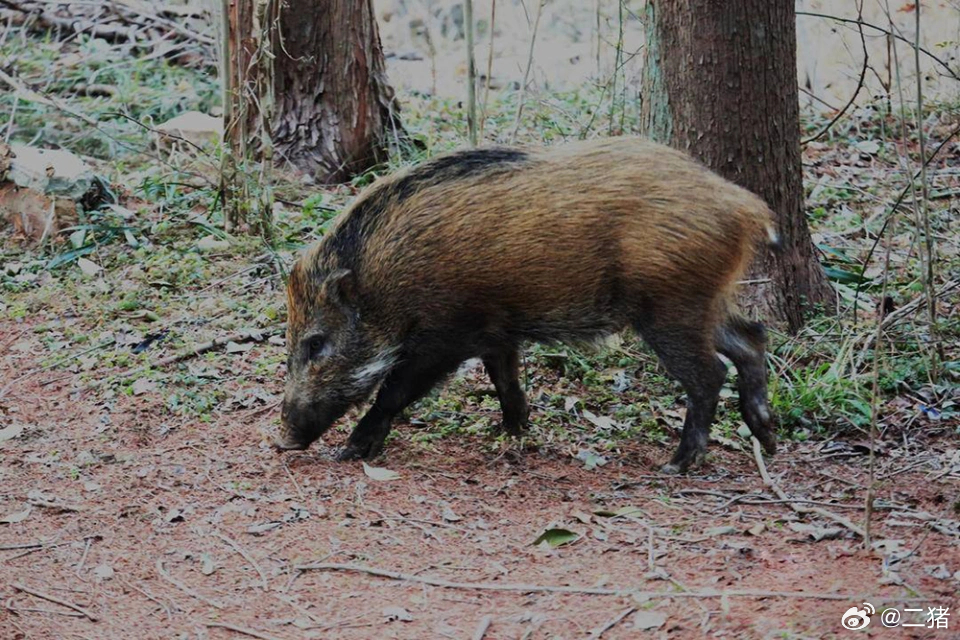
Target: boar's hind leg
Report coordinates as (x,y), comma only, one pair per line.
(743,342)
(688,354)
(408,382)
(503,368)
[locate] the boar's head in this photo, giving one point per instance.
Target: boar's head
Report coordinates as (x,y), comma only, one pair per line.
(333,363)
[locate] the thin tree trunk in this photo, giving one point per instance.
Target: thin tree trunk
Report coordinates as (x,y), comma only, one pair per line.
(248,31)
(336,114)
(721,83)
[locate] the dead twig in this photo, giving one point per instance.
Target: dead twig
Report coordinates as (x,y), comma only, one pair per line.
(893,210)
(187,590)
(49,598)
(33,549)
(482,627)
(599,631)
(900,314)
(856,93)
(888,32)
(486,88)
(296,485)
(768,481)
(55,612)
(83,558)
(55,506)
(246,556)
(296,606)
(28,545)
(146,594)
(595,591)
(240,630)
(526,73)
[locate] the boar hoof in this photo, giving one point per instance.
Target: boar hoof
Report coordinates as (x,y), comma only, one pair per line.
(360,451)
(514,430)
(769,443)
(671,469)
(281,443)
(683,464)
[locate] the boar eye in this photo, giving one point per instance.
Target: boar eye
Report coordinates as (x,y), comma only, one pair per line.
(315,346)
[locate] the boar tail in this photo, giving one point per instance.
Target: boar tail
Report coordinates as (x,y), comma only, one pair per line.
(773,238)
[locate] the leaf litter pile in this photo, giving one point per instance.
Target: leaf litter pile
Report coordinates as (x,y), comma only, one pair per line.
(141,370)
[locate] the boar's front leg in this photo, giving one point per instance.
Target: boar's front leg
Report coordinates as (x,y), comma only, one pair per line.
(409,381)
(503,367)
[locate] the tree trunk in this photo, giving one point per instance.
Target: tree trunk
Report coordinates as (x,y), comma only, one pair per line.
(721,83)
(335,112)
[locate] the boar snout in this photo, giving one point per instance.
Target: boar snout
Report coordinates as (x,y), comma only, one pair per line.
(300,425)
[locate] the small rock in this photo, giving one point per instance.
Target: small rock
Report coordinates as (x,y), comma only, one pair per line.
(238,347)
(397,613)
(938,571)
(50,172)
(103,571)
(143,385)
(88,267)
(870,147)
(193,126)
(649,619)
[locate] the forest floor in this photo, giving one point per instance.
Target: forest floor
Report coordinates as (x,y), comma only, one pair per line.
(180,527)
(142,365)
(143,492)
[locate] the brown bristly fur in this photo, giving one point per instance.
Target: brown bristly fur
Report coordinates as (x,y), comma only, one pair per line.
(653,213)
(482,250)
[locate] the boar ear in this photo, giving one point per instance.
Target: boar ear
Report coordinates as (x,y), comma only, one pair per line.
(340,288)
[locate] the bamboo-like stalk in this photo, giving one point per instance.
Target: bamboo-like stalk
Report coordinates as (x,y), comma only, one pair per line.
(617,69)
(227,161)
(924,212)
(875,400)
(486,88)
(471,74)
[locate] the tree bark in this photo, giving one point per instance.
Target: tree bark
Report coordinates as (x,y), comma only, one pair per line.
(336,114)
(721,83)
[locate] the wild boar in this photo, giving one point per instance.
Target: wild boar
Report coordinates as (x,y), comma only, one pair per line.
(474,253)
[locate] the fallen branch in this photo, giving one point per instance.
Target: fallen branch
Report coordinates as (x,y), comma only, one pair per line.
(593,591)
(240,630)
(768,481)
(187,590)
(55,600)
(246,556)
(192,352)
(216,343)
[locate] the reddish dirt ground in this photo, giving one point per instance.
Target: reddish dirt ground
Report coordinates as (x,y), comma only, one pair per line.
(167,529)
